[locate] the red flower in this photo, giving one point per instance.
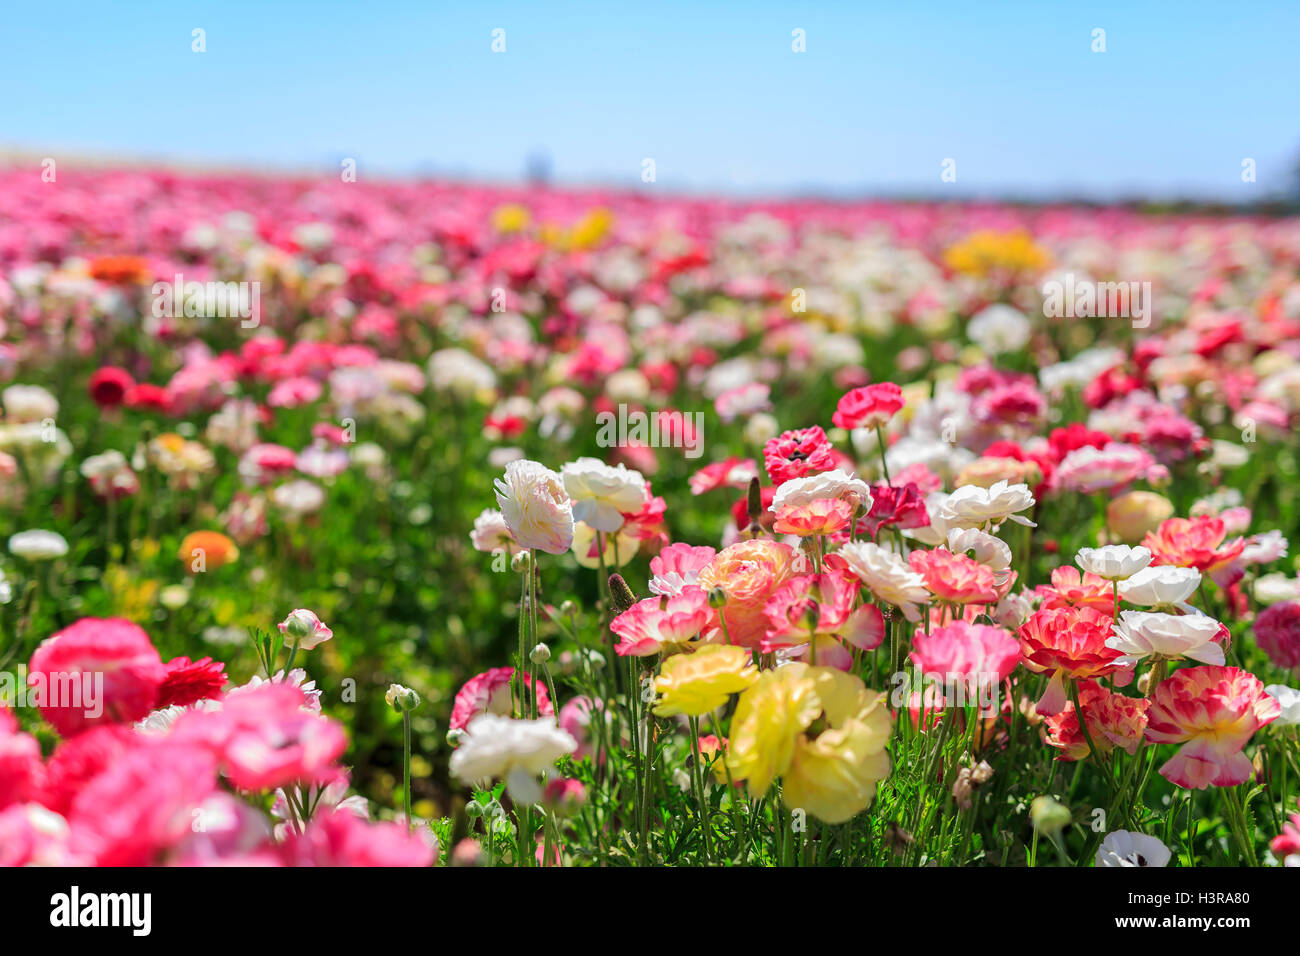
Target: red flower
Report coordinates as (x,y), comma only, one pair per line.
(109,386)
(147,396)
(796,454)
(188,681)
(1277,631)
(902,506)
(869,406)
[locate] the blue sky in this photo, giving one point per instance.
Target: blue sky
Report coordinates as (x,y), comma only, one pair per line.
(712,92)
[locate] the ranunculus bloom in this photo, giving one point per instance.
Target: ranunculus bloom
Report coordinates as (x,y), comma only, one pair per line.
(887,576)
(1069,588)
(265,738)
(676,566)
(1160,586)
(206,551)
(954,578)
(489,693)
(188,681)
(304,629)
(92,650)
(967,650)
(749,572)
(797,454)
(1114,562)
(109,385)
(1067,642)
(340,838)
(1122,848)
(986,508)
(537,509)
(22,774)
(1196,543)
(1113,720)
(698,683)
(657,625)
(1139,634)
(1212,712)
(602,493)
(868,406)
(499,748)
(1277,631)
(1133,515)
(806,605)
(823,516)
(831,774)
(894,506)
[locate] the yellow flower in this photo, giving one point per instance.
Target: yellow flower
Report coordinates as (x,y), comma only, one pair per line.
(821,731)
(511,217)
(834,774)
(695,684)
(987,252)
(769,717)
(1131,516)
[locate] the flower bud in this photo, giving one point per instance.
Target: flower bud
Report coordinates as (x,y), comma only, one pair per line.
(540,654)
(401,699)
(717,597)
(522,562)
(623,597)
(1049,815)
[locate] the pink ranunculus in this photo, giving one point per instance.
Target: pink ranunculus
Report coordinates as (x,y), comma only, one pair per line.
(868,406)
(970,650)
(954,578)
(111,656)
(340,838)
(749,572)
(489,693)
(657,624)
(676,566)
(22,774)
(797,454)
(1277,631)
(808,605)
(1213,712)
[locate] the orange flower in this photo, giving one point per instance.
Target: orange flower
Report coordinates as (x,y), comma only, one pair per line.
(749,573)
(120,270)
(822,516)
(206,551)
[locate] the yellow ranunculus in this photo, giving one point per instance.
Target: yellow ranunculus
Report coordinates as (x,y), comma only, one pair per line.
(821,731)
(696,684)
(833,775)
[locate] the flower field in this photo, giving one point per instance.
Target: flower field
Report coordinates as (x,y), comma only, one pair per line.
(416,523)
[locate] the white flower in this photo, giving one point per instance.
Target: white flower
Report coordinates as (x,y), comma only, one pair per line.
(887,576)
(537,509)
(459,372)
(1289,698)
(29,403)
(999,328)
(1264,548)
(495,747)
(1160,585)
(838,484)
(1142,633)
(490,531)
(971,506)
(1125,848)
(1275,588)
(38,545)
(603,493)
(1114,562)
(299,497)
(990,551)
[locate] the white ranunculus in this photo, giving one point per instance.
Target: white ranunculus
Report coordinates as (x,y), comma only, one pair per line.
(537,509)
(838,484)
(1114,562)
(1140,634)
(999,328)
(494,747)
(1289,698)
(971,506)
(1160,585)
(990,551)
(490,531)
(1275,588)
(38,545)
(1125,848)
(603,493)
(887,576)
(29,403)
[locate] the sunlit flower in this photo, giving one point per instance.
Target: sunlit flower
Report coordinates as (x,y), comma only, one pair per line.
(699,683)
(537,509)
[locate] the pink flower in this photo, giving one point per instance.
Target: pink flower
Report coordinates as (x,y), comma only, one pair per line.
(188,681)
(1277,631)
(22,773)
(1213,712)
(869,406)
(659,624)
(807,605)
(969,650)
(954,578)
(141,805)
(489,693)
(340,838)
(796,454)
(677,566)
(265,738)
(732,473)
(80,759)
(749,573)
(1197,543)
(304,628)
(68,667)
(575,720)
